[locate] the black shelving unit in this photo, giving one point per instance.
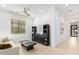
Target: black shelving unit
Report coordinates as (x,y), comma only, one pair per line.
(46,31)
(34,30)
(42,38)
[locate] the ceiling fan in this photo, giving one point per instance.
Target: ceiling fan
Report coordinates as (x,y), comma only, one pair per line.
(26,10)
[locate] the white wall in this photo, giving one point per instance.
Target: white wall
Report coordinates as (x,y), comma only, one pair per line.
(5,26)
(53,18)
(29,24)
(67,29)
(68,23)
(46,18)
(60,23)
(57,28)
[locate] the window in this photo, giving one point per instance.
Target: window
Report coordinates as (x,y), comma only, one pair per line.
(17,26)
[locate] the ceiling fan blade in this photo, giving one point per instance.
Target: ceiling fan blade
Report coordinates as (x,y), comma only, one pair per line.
(26,11)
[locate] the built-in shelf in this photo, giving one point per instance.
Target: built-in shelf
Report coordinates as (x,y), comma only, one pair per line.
(41,38)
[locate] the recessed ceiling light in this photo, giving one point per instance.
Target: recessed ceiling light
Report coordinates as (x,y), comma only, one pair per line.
(41,10)
(66,5)
(3,5)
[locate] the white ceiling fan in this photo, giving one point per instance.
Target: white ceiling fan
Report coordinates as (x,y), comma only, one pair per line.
(26,10)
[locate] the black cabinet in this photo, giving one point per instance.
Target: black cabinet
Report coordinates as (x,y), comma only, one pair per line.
(46,32)
(41,38)
(34,30)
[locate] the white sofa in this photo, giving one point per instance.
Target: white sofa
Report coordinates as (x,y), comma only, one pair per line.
(14,50)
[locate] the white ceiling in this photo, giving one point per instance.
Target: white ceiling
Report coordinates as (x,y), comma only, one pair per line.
(37,9)
(69,12)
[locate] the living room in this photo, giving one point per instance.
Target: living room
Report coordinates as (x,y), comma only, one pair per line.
(36,29)
(25,15)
